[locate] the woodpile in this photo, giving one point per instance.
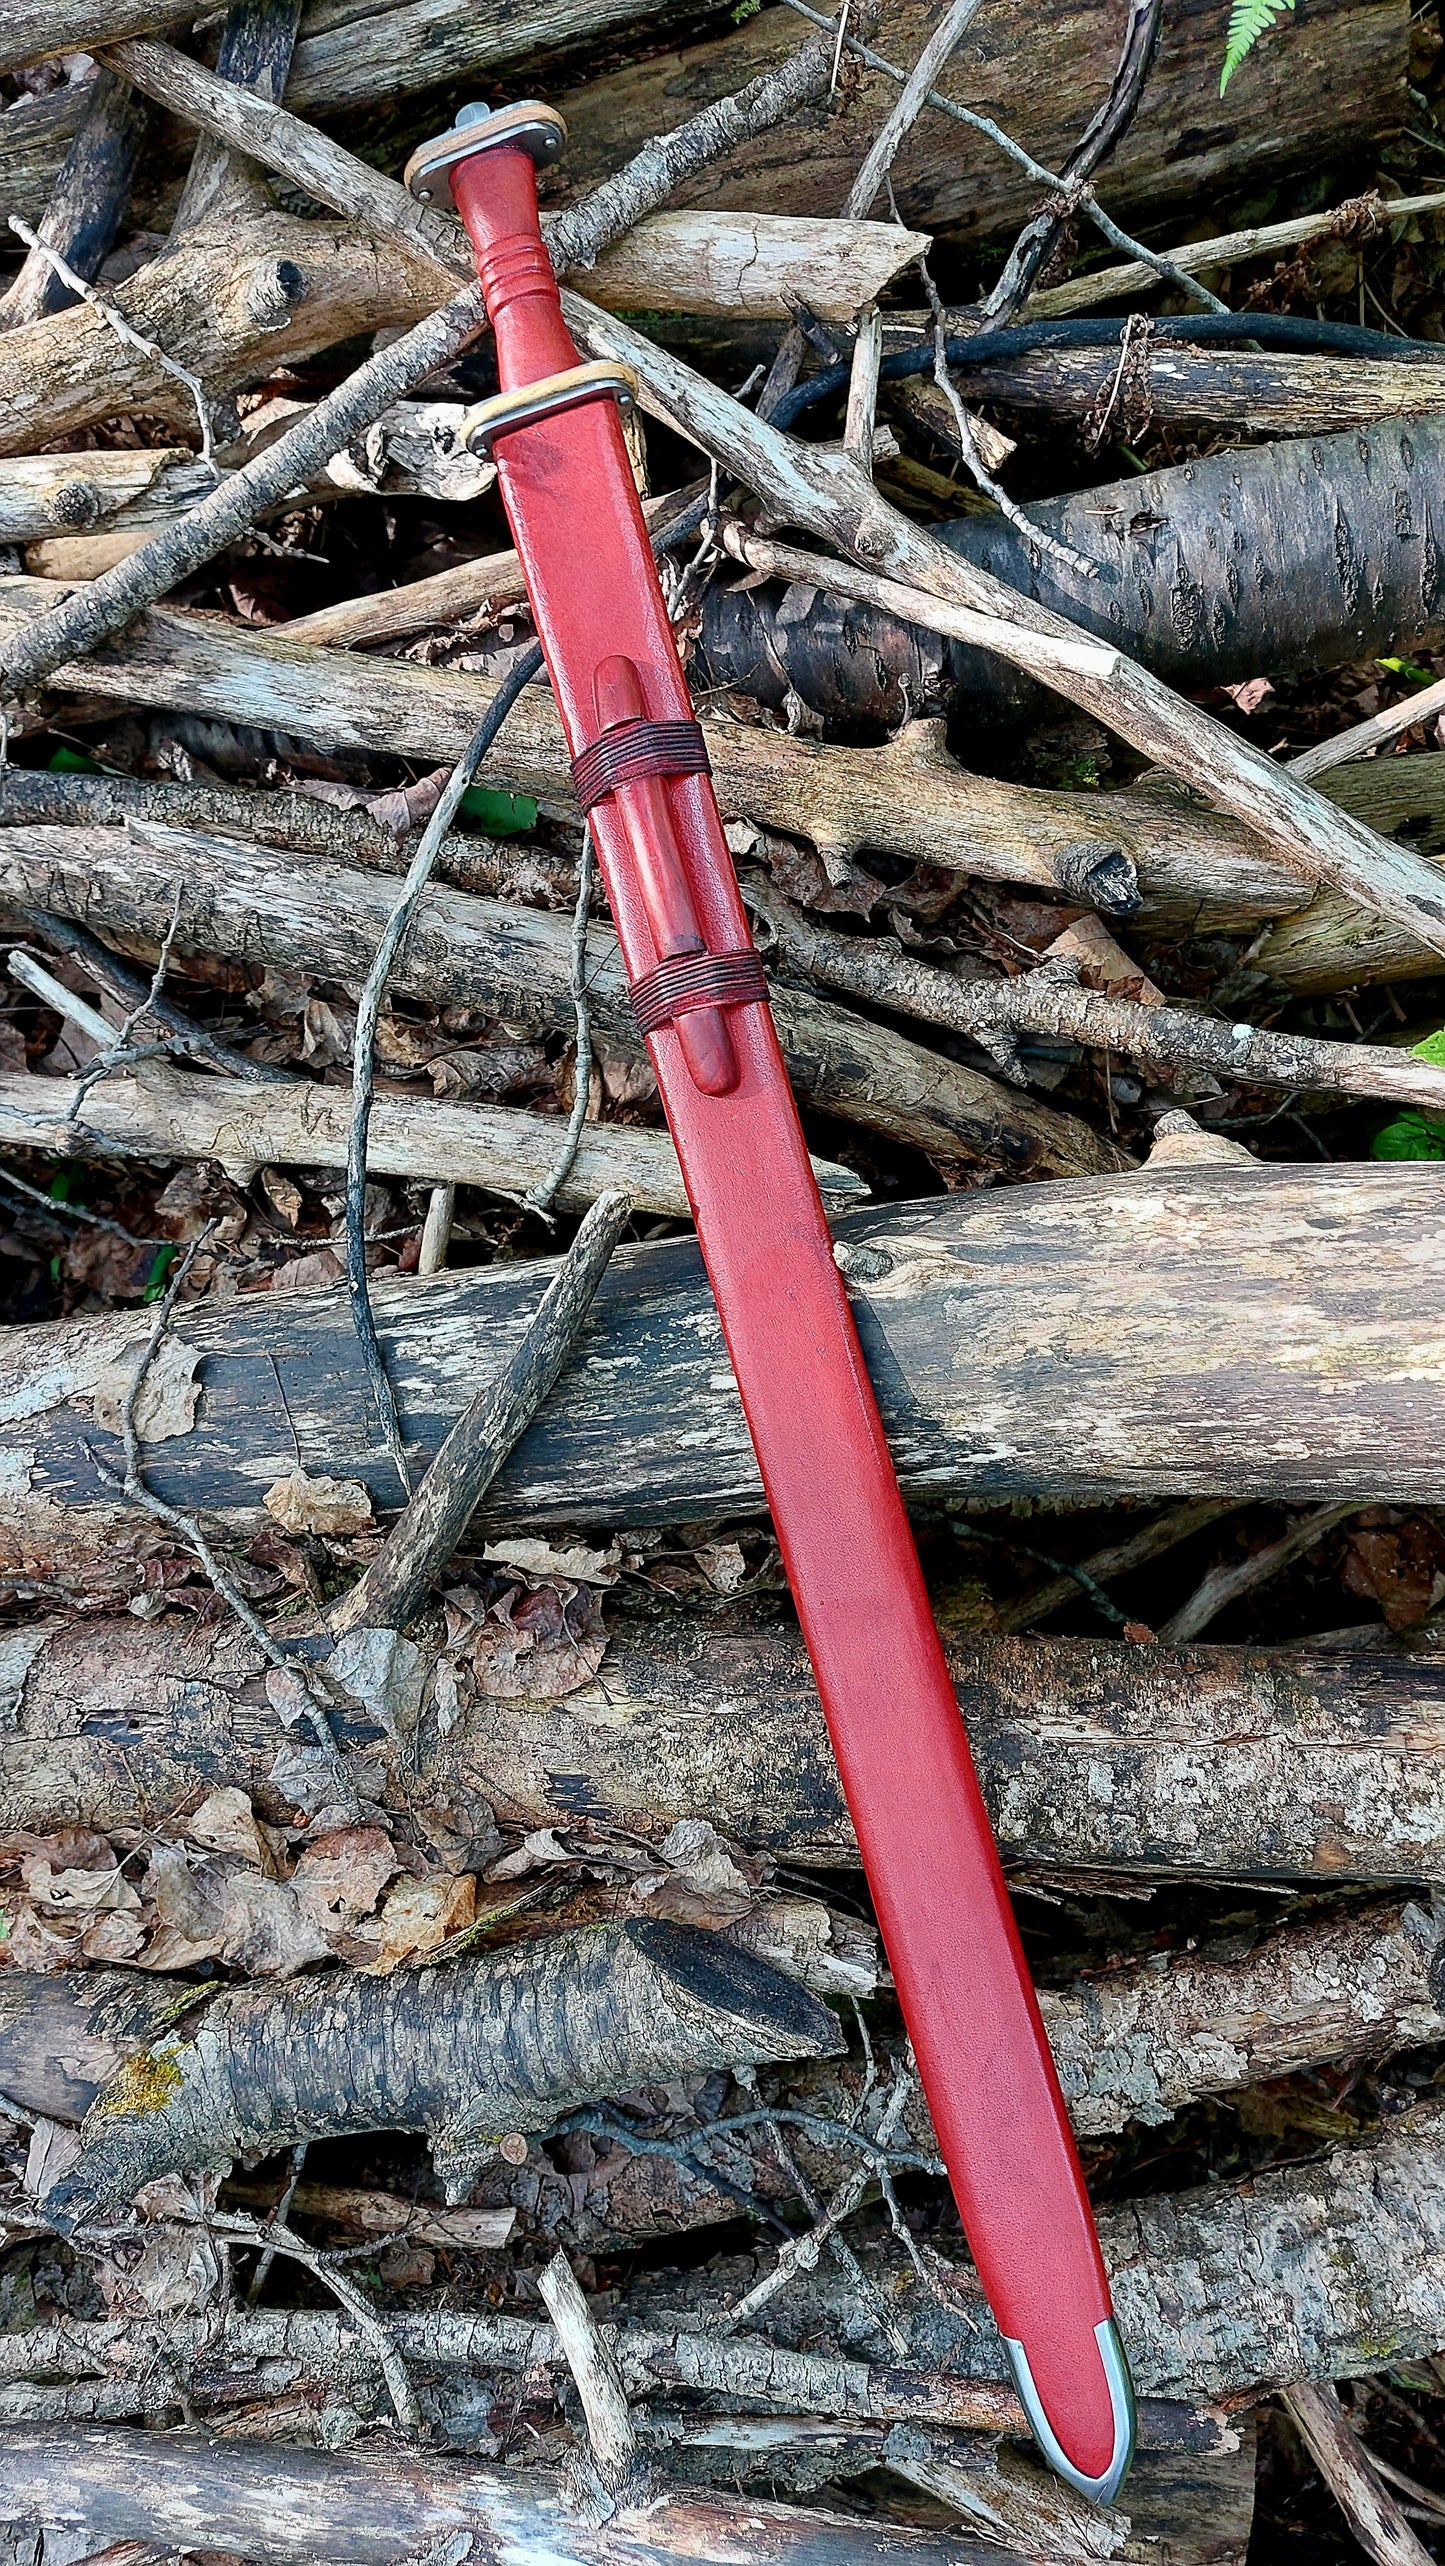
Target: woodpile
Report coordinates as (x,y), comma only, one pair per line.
(452,2092)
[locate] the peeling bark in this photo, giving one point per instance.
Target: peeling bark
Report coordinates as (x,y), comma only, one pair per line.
(1320,1767)
(974,1332)
(464,2054)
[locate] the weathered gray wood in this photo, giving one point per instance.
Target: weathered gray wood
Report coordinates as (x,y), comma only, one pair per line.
(257,906)
(214,309)
(1197,868)
(375,2507)
(1315,1766)
(1117,1337)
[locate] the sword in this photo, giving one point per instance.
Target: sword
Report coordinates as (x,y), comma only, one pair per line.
(640,768)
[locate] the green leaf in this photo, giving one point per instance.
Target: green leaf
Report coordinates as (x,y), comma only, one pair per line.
(1248,20)
(69,761)
(503,815)
(1411,1135)
(161,1264)
(1407,668)
(1431,1049)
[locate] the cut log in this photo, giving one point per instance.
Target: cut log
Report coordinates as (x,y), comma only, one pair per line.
(1257,395)
(384,2507)
(1283,559)
(1316,1766)
(1133,2043)
(973,1312)
(1197,869)
(1284,111)
(255,905)
(247,1126)
(213,306)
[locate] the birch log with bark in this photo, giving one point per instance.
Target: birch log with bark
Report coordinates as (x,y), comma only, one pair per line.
(978,1315)
(827,493)
(254,905)
(1315,1766)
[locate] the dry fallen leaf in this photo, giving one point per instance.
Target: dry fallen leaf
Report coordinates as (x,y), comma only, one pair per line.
(538,1559)
(303,1504)
(340,1877)
(224,1910)
(544,1640)
(169,1394)
(420,1915)
(225,1823)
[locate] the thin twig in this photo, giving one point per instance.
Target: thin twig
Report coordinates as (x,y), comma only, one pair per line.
(279,2218)
(1086,200)
(1225,1584)
(127,986)
(76,1211)
(132,1484)
(899,123)
(611,2433)
(424,1537)
(122,328)
(1348,2470)
(364,1052)
(283,2240)
(547,1192)
(1364,737)
(1033,534)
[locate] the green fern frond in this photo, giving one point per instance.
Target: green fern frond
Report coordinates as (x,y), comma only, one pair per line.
(1248,20)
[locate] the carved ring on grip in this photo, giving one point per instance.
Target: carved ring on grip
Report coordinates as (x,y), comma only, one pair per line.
(694,980)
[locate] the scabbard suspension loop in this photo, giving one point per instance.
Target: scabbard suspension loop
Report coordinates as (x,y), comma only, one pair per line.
(628,751)
(697,980)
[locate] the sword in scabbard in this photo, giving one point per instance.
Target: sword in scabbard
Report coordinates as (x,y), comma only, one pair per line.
(640,768)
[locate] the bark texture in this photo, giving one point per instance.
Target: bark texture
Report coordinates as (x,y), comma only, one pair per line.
(1131,2044)
(463,2054)
(1318,1766)
(1285,557)
(1042,80)
(1196,868)
(381,2508)
(1323,2271)
(978,1316)
(213,305)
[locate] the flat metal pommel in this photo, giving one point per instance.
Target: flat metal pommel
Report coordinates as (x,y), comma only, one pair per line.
(528,126)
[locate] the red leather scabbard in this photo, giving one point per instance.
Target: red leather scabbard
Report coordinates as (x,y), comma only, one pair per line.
(892,1714)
